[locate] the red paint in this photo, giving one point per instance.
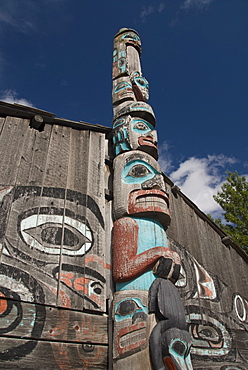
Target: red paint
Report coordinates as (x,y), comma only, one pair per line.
(3,304)
(127,264)
(147,141)
(169,363)
(161,201)
(127,330)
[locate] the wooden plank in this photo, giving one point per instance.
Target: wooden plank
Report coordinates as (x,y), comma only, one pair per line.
(26,354)
(83,265)
(35,321)
(83,268)
(78,161)
(12,140)
(1,123)
(34,156)
(58,157)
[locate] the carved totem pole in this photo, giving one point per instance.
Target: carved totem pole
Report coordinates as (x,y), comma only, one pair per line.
(149,322)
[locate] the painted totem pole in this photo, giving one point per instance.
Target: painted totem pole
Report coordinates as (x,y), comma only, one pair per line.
(149,322)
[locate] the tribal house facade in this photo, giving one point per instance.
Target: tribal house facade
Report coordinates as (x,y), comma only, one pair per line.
(105,263)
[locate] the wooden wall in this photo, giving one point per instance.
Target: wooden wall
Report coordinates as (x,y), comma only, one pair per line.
(213,286)
(55,254)
(55,234)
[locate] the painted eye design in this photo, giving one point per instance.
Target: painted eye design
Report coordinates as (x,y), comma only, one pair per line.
(141,82)
(48,233)
(138,170)
(122,86)
(140,126)
(130,36)
(95,287)
(130,308)
(211,336)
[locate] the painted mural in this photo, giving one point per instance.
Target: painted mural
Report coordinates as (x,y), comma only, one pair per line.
(147,330)
(49,241)
(218,331)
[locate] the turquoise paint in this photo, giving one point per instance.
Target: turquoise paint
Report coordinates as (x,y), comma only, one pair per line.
(140,308)
(151,235)
(131,36)
(125,135)
(145,129)
(128,177)
(145,82)
(121,147)
(119,122)
(139,107)
(122,86)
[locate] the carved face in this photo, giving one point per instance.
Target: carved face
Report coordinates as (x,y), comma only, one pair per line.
(139,187)
(140,86)
(122,90)
(134,133)
(130,315)
(137,109)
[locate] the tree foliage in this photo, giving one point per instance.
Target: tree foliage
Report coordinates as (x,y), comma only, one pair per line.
(233,198)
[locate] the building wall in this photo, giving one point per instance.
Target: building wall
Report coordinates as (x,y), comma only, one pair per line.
(55,251)
(213,286)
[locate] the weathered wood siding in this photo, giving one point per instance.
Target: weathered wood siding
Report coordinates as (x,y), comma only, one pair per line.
(213,286)
(55,256)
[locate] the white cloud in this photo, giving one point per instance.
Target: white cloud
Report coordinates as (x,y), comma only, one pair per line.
(17,16)
(195,4)
(165,158)
(200,178)
(147,10)
(11,96)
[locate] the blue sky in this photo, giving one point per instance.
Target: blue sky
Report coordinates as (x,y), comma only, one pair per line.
(56,55)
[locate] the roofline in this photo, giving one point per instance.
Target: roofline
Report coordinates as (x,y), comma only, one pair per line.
(225,238)
(23,111)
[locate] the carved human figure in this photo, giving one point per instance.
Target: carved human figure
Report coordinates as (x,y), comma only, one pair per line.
(131,133)
(139,188)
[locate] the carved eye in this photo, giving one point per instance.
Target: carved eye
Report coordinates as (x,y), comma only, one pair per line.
(140,126)
(127,307)
(179,347)
(138,170)
(130,308)
(142,82)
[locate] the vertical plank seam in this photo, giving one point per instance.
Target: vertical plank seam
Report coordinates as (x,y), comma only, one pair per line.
(63,224)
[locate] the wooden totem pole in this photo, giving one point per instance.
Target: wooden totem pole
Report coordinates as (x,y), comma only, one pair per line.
(149,322)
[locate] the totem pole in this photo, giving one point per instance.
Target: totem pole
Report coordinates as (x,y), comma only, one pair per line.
(149,322)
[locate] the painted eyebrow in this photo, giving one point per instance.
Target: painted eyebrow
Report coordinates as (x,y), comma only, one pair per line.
(60,193)
(82,270)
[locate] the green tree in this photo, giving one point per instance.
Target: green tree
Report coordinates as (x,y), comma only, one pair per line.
(233,198)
